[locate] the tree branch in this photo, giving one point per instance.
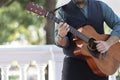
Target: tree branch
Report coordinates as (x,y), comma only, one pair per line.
(5,2)
(2,2)
(9,3)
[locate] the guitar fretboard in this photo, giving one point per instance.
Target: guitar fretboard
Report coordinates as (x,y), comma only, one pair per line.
(72,30)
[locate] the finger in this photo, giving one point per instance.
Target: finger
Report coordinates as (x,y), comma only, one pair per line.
(99,45)
(97,41)
(101,50)
(62,20)
(65,25)
(68,28)
(60,24)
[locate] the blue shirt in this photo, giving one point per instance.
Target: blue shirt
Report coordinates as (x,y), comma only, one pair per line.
(110,18)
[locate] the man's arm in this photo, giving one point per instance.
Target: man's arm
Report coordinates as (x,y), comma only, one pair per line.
(61,31)
(113,21)
(61,37)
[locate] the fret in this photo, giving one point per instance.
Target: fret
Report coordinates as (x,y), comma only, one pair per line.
(79,34)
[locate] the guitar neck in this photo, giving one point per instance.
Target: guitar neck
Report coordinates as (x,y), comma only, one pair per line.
(72,30)
(41,12)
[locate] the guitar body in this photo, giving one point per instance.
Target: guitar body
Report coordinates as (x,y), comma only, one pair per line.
(99,65)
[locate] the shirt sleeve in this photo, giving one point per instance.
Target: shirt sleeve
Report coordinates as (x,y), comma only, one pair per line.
(59,14)
(111,19)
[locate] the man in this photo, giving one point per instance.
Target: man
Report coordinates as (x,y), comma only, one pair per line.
(79,13)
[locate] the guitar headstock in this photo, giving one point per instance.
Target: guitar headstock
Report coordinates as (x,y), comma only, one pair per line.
(36,9)
(41,12)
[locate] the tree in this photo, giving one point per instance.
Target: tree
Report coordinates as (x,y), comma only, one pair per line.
(15,21)
(49,27)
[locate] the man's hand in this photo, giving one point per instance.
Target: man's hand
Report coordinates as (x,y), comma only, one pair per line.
(103,46)
(63,29)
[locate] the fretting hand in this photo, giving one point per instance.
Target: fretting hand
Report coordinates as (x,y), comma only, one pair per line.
(63,29)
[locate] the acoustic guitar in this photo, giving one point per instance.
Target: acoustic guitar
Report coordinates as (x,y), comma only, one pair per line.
(101,64)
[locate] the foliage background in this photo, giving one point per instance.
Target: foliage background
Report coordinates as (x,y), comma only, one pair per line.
(17,25)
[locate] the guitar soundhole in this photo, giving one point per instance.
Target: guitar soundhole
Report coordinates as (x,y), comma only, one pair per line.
(92,48)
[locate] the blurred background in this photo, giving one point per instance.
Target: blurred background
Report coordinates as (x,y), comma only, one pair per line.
(21,27)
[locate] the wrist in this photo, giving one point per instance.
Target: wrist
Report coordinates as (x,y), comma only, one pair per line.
(60,37)
(112,40)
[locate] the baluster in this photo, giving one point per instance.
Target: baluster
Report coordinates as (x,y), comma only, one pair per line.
(42,71)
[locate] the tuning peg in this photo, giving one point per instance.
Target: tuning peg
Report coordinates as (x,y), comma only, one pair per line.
(40,13)
(36,11)
(31,9)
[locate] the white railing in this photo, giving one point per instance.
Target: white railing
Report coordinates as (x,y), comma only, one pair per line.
(44,55)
